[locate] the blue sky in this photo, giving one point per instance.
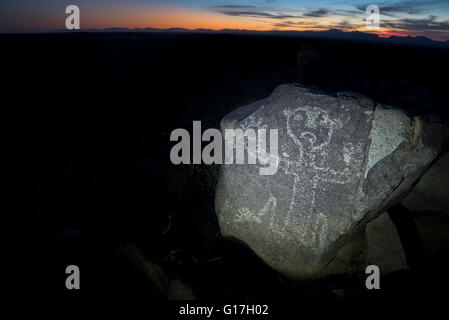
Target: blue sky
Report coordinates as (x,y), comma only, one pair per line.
(403,17)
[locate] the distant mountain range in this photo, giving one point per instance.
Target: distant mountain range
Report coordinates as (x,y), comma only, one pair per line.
(329,34)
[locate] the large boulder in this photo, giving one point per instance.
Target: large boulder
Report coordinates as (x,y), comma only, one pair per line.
(342,161)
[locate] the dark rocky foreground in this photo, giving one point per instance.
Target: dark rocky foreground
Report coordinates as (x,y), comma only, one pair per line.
(89,137)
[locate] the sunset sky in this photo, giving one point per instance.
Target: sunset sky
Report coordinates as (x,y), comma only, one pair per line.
(400,17)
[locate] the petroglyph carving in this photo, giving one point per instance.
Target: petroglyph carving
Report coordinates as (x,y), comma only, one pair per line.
(341,162)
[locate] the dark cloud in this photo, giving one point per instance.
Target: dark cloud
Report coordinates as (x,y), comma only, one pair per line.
(316,13)
(417,25)
(348,13)
(299,25)
(257,14)
(250,11)
(342,25)
(285,24)
(231,6)
(409,6)
(391,18)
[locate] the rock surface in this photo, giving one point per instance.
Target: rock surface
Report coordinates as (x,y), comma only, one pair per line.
(342,161)
(384,247)
(431,193)
(349,259)
(378,244)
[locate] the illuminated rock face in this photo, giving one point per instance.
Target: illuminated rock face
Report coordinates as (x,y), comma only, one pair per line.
(342,160)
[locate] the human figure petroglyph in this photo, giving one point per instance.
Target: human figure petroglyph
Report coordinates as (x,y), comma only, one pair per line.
(310,130)
(309,169)
(311,150)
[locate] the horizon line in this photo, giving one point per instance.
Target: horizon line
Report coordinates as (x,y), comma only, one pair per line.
(106,29)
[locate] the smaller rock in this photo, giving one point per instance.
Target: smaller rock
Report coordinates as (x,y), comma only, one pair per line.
(431,193)
(350,259)
(155,276)
(384,247)
(178,290)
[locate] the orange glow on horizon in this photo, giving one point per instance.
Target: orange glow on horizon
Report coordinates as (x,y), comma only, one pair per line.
(172,17)
(388,33)
(165,16)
